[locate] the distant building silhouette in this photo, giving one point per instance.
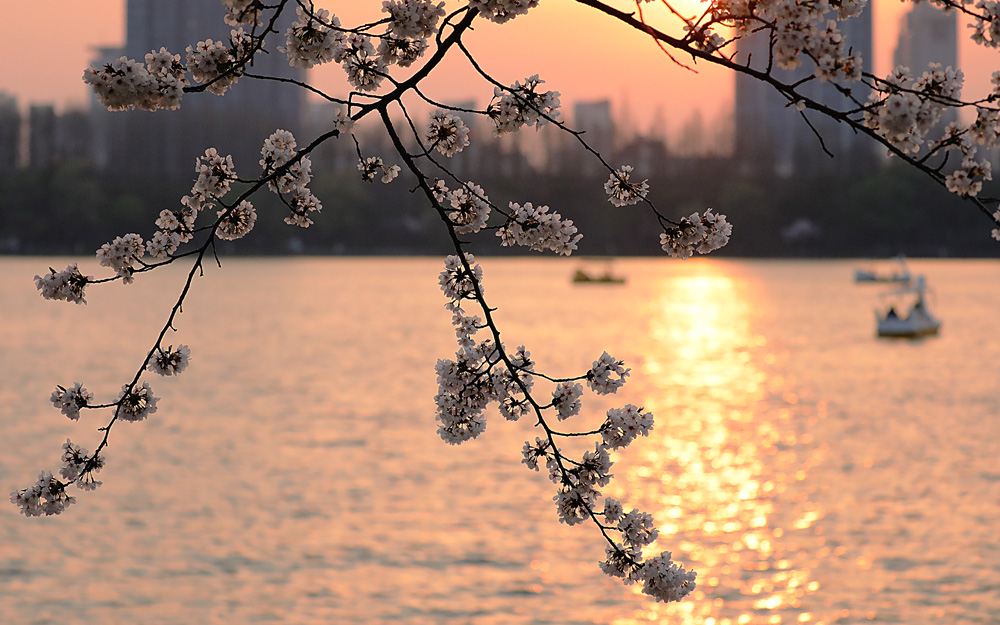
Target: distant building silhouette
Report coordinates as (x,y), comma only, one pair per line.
(594,119)
(928,35)
(563,154)
(41,136)
(647,155)
(10,134)
(168,142)
(74,135)
(772,137)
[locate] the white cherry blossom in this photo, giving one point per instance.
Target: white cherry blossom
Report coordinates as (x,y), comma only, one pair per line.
(169,361)
(67,285)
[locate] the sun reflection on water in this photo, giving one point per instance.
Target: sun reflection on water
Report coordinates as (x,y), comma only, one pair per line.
(727,449)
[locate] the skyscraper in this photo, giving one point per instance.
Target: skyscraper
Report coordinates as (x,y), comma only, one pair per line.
(928,35)
(168,142)
(10,133)
(772,137)
(594,119)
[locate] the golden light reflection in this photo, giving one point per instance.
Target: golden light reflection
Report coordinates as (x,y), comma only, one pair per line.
(720,472)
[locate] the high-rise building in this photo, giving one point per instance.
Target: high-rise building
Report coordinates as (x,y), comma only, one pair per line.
(74,133)
(773,137)
(168,142)
(10,133)
(41,136)
(594,120)
(928,35)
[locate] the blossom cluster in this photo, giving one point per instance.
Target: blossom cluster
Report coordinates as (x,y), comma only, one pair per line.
(136,403)
(465,388)
(703,37)
(907,108)
(120,253)
(159,82)
(607,375)
(288,175)
(458,282)
(243,12)
(169,361)
(578,495)
(175,227)
(238,221)
(80,467)
(703,233)
(48,496)
(501,11)
(661,577)
(624,425)
(219,66)
(214,174)
(536,228)
(566,399)
(467,207)
(986,30)
(413,18)
(67,284)
(317,37)
(365,67)
(278,153)
(342,121)
(125,83)
(798,30)
(621,190)
(314,39)
(401,52)
(522,105)
(70,400)
(374,167)
(447,133)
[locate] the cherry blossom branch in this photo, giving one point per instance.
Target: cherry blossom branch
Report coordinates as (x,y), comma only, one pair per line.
(577,495)
(960,182)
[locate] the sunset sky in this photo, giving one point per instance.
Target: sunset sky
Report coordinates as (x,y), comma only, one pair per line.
(576,50)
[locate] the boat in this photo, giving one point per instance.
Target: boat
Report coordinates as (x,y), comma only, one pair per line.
(899,276)
(582,277)
(918,321)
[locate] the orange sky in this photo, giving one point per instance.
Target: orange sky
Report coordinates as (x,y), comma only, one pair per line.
(576,50)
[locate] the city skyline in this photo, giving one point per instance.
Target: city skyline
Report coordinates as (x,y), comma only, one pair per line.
(624,70)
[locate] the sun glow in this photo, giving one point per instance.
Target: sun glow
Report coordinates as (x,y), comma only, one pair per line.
(670,12)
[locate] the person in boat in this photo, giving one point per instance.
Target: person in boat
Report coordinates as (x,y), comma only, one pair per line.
(892,313)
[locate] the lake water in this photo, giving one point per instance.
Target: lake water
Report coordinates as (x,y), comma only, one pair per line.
(810,472)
